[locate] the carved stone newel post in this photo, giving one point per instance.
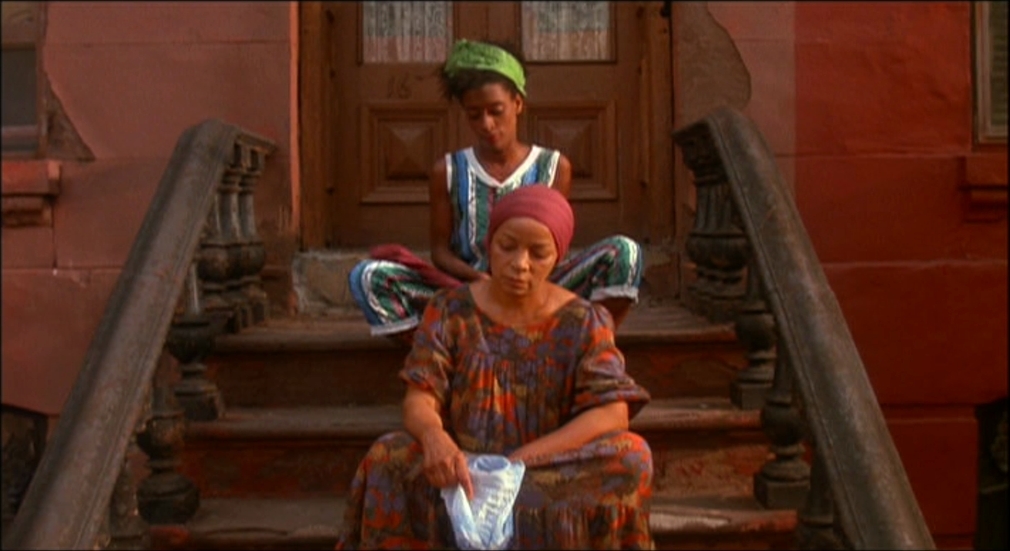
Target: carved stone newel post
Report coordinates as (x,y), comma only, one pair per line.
(716,244)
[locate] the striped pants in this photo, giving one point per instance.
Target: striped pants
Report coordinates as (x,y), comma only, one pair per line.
(393,296)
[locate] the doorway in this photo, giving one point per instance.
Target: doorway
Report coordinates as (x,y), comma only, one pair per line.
(373,120)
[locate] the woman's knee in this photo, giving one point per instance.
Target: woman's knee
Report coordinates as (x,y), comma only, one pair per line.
(636,456)
(626,250)
(391,445)
(360,281)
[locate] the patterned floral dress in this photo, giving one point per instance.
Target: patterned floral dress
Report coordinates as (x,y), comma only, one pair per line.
(501,387)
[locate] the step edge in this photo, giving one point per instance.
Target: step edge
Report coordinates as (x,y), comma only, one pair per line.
(660,416)
(736,521)
(282,341)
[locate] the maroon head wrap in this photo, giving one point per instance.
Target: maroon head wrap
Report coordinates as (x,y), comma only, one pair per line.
(541,203)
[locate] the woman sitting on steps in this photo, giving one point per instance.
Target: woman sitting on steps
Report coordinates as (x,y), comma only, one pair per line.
(489,83)
(512,365)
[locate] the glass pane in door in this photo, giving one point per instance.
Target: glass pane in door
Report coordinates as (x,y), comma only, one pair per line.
(567,31)
(406,32)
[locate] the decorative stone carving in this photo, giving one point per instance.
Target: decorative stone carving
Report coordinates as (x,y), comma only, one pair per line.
(716,244)
(232,254)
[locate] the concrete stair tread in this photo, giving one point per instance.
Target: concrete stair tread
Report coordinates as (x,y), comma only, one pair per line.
(664,322)
(307,522)
(365,422)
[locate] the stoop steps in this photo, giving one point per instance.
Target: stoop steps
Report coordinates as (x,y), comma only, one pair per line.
(305,397)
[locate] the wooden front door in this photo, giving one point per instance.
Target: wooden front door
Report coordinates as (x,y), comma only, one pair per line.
(386,121)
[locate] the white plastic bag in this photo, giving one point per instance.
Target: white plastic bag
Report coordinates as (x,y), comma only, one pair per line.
(486,521)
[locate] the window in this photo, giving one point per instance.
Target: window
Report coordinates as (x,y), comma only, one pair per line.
(990,71)
(21,111)
(567,31)
(403,32)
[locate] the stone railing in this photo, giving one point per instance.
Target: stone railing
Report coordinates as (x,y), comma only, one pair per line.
(757,267)
(193,272)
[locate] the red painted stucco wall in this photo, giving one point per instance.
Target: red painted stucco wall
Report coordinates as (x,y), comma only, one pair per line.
(131,77)
(868,108)
(884,133)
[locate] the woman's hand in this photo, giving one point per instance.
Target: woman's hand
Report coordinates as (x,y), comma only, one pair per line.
(444,463)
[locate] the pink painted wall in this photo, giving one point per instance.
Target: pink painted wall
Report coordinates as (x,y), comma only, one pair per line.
(764,36)
(871,124)
(131,77)
(883,128)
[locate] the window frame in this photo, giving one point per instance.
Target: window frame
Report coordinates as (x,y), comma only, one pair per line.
(986,132)
(28,37)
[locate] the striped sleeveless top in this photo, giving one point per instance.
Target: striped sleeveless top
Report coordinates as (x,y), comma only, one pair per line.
(472,192)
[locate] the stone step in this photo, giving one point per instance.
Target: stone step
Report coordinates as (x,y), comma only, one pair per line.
(334,361)
(699,446)
(714,522)
(319,277)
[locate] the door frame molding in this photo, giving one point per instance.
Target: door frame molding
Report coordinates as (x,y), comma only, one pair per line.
(316,105)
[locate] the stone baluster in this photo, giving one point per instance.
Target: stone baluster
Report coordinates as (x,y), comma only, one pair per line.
(165,496)
(253,251)
(190,340)
(214,268)
(124,528)
(783,481)
(716,244)
(816,521)
(755,327)
(24,441)
(231,234)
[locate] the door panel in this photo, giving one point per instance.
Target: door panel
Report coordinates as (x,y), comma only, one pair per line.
(389,122)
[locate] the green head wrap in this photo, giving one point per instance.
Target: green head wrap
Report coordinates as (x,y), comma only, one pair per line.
(479,55)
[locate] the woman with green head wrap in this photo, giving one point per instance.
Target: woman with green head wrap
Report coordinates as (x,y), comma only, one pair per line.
(488,81)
